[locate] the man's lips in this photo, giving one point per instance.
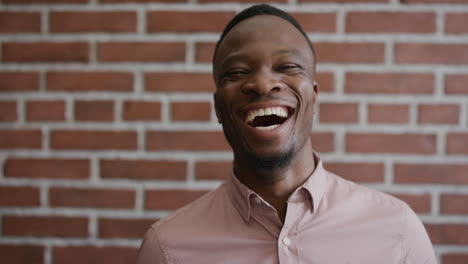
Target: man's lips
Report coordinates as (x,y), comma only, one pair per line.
(267,117)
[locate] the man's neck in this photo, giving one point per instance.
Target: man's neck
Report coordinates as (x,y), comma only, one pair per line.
(275,186)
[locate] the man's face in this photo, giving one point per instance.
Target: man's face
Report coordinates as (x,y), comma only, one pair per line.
(264,73)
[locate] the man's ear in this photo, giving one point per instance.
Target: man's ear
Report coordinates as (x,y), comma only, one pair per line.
(315,95)
(216,106)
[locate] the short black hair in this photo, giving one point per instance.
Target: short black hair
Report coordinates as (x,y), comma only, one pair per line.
(257,10)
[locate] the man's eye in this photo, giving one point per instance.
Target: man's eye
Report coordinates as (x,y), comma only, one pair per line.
(289,67)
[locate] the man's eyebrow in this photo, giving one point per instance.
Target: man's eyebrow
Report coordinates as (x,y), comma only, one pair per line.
(231,58)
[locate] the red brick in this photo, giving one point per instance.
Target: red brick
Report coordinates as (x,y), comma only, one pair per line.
(388,113)
(456,234)
(424,173)
(438,114)
(141,52)
(22,254)
(186,140)
(170,199)
(45,111)
(143,169)
(429,53)
(179,82)
(94,255)
(93,139)
(453,204)
(213,170)
(123,228)
(389,83)
(316,22)
(323,141)
(326,82)
(45,52)
(457,143)
(343,1)
(40,226)
(454,258)
(20,139)
(420,203)
(338,113)
(242,1)
(180,21)
(456,84)
(94,110)
(47,168)
(434,2)
(454,23)
(8,111)
(20,22)
(143,1)
(336,52)
(204,51)
(45,1)
(91,198)
(191,111)
(15,196)
(141,110)
(358,171)
(391,143)
(90,81)
(385,22)
(19,81)
(84,21)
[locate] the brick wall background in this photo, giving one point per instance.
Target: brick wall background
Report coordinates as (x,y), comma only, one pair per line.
(107,123)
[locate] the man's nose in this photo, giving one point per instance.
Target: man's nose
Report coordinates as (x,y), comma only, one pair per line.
(262,83)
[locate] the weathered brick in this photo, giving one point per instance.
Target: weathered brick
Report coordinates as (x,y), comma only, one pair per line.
(47,168)
(182,21)
(204,51)
(94,255)
(455,23)
(19,81)
(45,52)
(22,254)
(8,111)
(85,21)
(454,204)
(213,170)
(20,22)
(141,110)
(20,139)
(338,113)
(45,111)
(343,1)
(19,196)
(141,52)
(430,53)
(191,111)
(90,81)
(388,113)
(456,84)
(420,203)
(91,198)
(45,226)
(102,110)
(438,114)
(456,234)
(143,1)
(357,171)
(391,143)
(453,258)
(93,139)
(341,52)
(123,228)
(179,82)
(457,143)
(326,82)
(434,2)
(143,169)
(385,22)
(170,199)
(186,140)
(424,173)
(316,22)
(389,83)
(323,141)
(45,1)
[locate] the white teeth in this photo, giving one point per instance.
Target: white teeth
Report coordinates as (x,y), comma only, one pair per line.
(279,111)
(267,127)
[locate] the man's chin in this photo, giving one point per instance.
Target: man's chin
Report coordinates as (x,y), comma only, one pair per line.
(268,162)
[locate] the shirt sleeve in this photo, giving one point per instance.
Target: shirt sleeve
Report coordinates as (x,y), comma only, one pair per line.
(417,247)
(151,250)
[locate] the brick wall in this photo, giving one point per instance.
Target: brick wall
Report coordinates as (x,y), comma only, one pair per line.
(107,123)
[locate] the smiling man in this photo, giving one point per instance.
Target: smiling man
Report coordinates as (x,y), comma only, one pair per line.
(280,205)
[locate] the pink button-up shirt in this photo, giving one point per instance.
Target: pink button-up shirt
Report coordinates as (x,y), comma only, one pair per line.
(329,220)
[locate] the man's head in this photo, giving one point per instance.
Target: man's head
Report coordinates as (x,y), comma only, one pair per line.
(264,71)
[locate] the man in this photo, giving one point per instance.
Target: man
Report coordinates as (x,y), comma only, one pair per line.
(280,205)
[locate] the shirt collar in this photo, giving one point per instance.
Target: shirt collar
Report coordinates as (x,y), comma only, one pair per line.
(243,197)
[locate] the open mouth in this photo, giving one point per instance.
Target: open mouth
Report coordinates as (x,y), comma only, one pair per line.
(267,118)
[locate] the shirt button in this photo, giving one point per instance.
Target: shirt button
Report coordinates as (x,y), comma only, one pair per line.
(286,241)
(257,200)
